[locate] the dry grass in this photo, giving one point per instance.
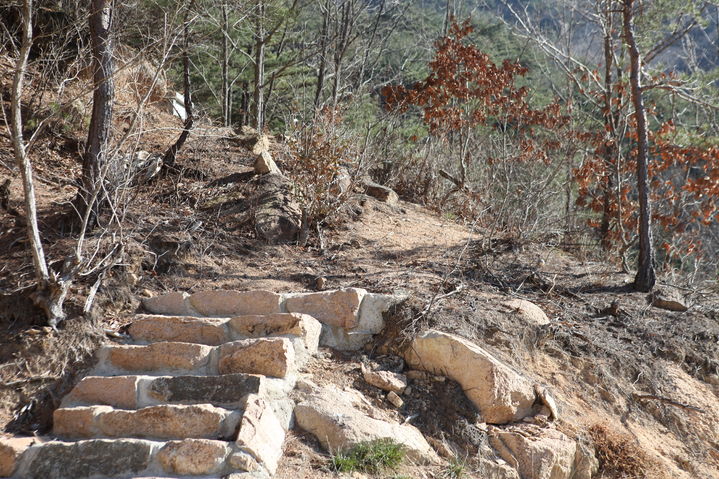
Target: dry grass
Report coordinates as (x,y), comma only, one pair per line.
(619,455)
(47,365)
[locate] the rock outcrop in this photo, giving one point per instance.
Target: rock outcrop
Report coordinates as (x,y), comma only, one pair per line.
(501,394)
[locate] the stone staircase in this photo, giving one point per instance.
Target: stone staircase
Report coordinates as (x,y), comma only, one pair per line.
(200,389)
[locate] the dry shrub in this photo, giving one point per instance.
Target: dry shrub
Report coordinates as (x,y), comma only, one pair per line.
(322,165)
(619,455)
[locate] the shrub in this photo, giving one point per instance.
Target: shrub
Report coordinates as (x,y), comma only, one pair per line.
(372,456)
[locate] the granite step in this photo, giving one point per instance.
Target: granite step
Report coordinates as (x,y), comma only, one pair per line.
(135,458)
(273,357)
(199,421)
(302,329)
(136,392)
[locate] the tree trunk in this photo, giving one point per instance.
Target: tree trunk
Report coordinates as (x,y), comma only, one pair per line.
(645,278)
(94,194)
(259,107)
(170,157)
(609,128)
(322,69)
(21,158)
(51,289)
(226,94)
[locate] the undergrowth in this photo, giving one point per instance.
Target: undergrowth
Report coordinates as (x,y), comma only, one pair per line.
(371,456)
(618,454)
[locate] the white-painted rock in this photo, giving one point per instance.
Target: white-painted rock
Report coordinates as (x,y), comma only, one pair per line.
(542,453)
(501,394)
(527,310)
(336,418)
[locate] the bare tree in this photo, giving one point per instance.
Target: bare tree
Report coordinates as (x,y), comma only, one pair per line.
(645,277)
(51,287)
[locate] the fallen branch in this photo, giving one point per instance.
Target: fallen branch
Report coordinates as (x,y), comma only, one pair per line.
(29,380)
(641,397)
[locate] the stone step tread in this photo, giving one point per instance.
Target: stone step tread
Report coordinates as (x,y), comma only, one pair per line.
(138,391)
(216,331)
(113,458)
(201,421)
(274,357)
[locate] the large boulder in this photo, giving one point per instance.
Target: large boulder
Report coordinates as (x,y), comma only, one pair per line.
(261,434)
(382,193)
(542,453)
(527,310)
(500,393)
(339,422)
(278,216)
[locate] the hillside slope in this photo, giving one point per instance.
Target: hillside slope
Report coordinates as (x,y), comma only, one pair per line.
(612,361)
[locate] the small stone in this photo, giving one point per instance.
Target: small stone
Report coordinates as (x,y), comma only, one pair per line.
(306,385)
(416,375)
(382,193)
(243,462)
(320,283)
(528,311)
(193,456)
(385,380)
(668,298)
(393,398)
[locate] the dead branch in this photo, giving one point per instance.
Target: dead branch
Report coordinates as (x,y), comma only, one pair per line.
(671,402)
